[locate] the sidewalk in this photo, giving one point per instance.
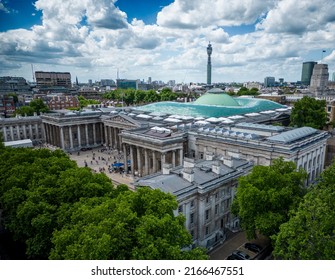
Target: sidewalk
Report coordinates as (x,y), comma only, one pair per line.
(231,244)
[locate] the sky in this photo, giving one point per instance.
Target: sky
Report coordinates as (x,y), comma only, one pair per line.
(166,39)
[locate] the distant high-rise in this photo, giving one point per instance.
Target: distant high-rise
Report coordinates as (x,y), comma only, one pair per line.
(269,81)
(307,71)
(52,79)
(209,64)
(319,79)
(333,77)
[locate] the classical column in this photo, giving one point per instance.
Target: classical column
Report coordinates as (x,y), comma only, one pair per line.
(154,162)
(24,131)
(139,163)
(62,137)
(79,136)
(132,163)
(181,156)
(146,162)
(30,132)
(101,130)
(36,129)
(106,135)
(70,135)
(174,158)
(18,133)
(125,157)
(94,135)
(11,133)
(44,135)
(5,133)
(163,158)
(115,138)
(86,134)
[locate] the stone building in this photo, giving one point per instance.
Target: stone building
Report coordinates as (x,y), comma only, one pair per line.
(204,190)
(20,128)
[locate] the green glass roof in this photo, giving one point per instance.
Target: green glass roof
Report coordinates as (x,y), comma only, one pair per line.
(218,97)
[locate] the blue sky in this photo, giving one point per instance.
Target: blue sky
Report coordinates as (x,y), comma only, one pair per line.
(166,39)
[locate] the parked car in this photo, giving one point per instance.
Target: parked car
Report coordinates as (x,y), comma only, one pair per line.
(241,255)
(253,247)
(233,257)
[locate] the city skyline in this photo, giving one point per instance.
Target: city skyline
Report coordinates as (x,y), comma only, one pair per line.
(166,39)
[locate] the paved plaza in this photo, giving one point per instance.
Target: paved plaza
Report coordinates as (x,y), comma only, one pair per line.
(99,160)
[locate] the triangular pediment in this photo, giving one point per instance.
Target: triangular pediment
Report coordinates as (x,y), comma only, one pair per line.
(123,120)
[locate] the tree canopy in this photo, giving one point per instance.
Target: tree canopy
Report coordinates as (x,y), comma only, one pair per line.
(309,112)
(310,232)
(35,106)
(61,211)
(133,225)
(265,196)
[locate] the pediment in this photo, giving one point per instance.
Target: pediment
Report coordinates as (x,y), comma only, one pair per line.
(123,120)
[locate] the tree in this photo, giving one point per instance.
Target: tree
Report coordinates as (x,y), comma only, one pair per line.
(309,112)
(34,184)
(133,225)
(39,106)
(310,232)
(265,196)
(25,110)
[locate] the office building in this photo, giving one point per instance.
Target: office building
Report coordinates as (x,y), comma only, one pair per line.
(307,71)
(269,82)
(53,79)
(319,79)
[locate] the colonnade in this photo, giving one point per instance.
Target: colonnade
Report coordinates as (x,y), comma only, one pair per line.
(74,137)
(112,137)
(145,161)
(22,131)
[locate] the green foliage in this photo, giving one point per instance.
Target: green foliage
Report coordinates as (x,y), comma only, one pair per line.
(132,225)
(246,91)
(131,96)
(39,106)
(310,232)
(265,196)
(33,185)
(84,102)
(309,112)
(24,110)
(61,211)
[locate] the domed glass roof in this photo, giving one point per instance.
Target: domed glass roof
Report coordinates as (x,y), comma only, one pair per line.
(218,97)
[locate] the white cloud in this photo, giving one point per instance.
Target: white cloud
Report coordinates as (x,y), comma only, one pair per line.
(4,8)
(197,13)
(93,38)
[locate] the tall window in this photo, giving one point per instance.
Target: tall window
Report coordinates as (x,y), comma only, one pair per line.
(192,218)
(207,214)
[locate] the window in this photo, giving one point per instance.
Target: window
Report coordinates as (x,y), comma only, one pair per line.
(192,203)
(192,233)
(222,206)
(192,218)
(222,193)
(207,230)
(180,208)
(207,199)
(216,209)
(207,214)
(216,195)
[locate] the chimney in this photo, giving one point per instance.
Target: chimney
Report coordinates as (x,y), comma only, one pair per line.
(228,161)
(166,168)
(188,174)
(189,162)
(209,156)
(216,167)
